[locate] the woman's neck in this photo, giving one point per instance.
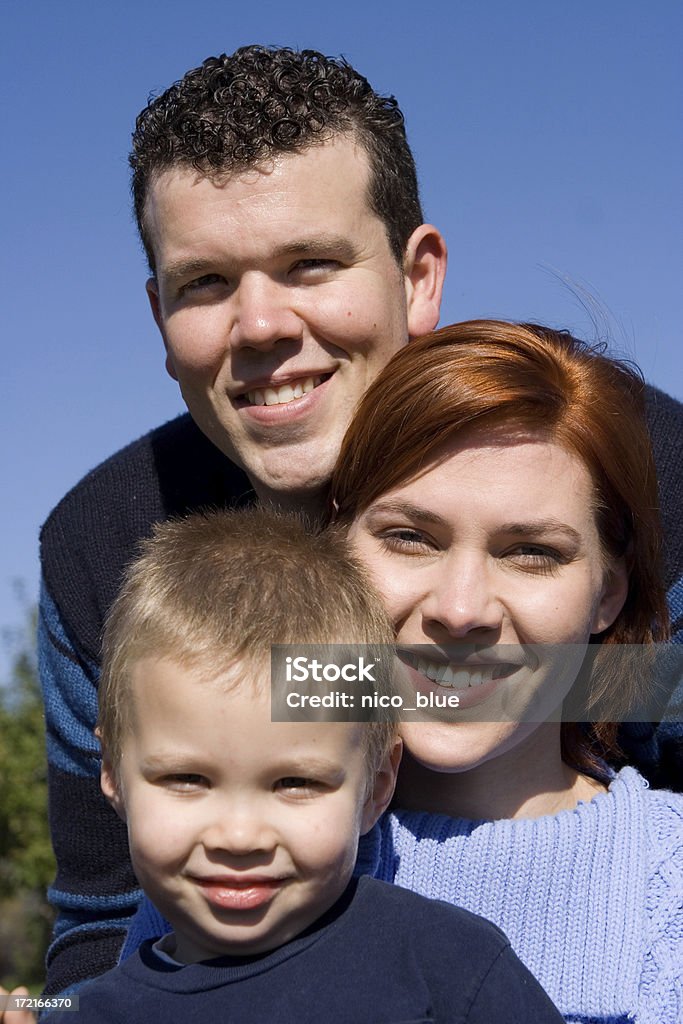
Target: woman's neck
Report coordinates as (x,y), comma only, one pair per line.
(529,781)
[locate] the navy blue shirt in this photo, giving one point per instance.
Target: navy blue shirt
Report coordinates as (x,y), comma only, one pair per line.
(381,955)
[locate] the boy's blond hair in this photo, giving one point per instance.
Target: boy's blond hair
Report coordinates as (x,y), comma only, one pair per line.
(222,586)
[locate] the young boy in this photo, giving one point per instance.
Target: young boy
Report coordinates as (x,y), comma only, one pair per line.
(244,831)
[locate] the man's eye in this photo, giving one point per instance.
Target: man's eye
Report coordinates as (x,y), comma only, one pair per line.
(314,266)
(201,283)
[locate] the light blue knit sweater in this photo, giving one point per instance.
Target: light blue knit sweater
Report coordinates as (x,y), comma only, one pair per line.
(591,899)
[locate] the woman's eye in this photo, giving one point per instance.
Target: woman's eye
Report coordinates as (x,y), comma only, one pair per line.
(533,558)
(405,540)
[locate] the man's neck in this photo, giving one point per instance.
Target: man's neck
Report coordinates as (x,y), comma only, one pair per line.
(312,503)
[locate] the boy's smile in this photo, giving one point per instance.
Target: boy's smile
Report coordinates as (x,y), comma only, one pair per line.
(242,831)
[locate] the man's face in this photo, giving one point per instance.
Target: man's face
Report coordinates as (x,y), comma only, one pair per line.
(279,300)
(242,831)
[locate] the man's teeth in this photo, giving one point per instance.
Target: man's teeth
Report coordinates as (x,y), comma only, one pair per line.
(459,678)
(284,394)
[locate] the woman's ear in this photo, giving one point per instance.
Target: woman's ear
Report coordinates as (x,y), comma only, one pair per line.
(613,596)
(382,787)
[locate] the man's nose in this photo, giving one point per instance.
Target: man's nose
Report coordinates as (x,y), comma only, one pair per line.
(264,313)
(461,598)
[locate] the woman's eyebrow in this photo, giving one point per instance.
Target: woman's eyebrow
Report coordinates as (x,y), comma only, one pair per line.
(538,527)
(407,509)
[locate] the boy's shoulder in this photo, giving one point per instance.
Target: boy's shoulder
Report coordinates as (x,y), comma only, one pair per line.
(428,922)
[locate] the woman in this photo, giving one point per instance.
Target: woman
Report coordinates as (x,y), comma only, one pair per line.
(498,483)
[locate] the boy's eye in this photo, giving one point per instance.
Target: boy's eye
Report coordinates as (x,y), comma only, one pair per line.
(184,781)
(297,783)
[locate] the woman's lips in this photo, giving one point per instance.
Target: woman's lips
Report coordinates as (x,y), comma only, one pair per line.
(473,680)
(468,697)
(239,894)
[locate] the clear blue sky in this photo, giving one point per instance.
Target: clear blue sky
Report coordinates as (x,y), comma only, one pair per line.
(549,143)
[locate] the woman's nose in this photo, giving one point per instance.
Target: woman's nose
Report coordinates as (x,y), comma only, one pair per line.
(461,597)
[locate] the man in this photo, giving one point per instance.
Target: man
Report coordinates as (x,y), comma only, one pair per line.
(277,201)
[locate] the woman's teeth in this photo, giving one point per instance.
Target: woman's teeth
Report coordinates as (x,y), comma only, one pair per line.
(457,677)
(284,394)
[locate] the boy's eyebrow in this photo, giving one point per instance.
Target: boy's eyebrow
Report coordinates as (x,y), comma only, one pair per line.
(297,765)
(166,762)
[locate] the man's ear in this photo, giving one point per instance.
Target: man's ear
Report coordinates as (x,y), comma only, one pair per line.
(613,597)
(152,289)
(109,783)
(424,269)
(382,789)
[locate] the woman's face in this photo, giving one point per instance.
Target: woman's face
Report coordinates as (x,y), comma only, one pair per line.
(493,550)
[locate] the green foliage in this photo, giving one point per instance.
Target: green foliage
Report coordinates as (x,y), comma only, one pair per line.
(26,861)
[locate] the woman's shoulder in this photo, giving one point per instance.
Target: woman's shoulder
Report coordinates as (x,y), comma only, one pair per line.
(661,988)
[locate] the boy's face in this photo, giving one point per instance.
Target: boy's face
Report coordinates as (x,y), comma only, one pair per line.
(241,831)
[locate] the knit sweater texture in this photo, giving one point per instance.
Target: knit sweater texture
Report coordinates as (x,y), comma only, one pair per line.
(85,544)
(591,898)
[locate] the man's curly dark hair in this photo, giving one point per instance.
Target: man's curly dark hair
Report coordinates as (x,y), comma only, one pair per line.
(238,110)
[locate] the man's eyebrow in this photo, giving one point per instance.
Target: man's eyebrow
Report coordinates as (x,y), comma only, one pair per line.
(176,269)
(319,245)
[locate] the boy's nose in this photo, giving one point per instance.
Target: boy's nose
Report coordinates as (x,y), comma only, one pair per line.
(240,831)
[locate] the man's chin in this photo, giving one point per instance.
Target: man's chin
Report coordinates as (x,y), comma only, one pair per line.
(295,490)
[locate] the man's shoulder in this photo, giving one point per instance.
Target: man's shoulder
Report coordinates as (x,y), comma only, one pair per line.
(95,530)
(173,467)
